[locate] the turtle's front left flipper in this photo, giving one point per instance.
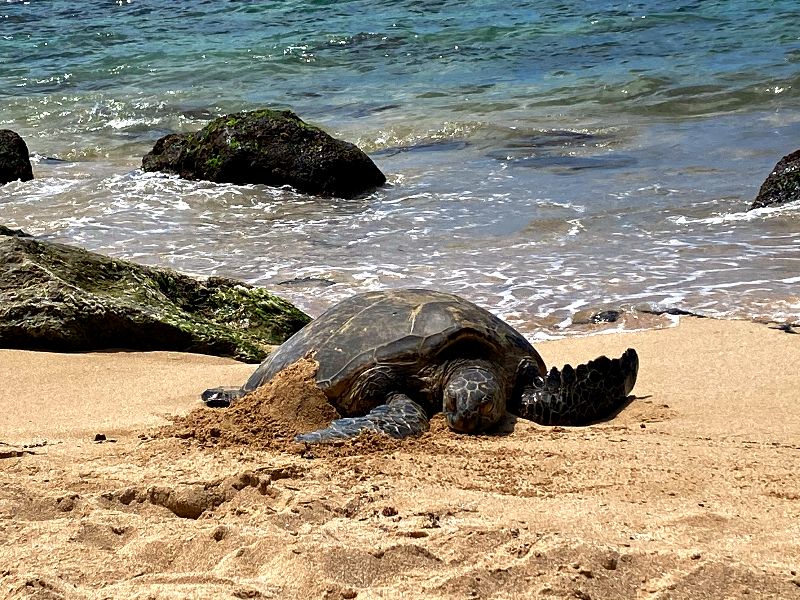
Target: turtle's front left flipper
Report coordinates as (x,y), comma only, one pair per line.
(400,417)
(221,397)
(579,396)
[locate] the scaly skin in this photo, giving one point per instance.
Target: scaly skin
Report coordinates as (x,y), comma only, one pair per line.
(400,417)
(582,395)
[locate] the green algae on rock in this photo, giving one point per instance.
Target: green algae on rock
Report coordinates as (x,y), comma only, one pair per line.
(268,147)
(62,298)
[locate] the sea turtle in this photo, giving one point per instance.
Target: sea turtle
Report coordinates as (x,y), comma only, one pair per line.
(389,359)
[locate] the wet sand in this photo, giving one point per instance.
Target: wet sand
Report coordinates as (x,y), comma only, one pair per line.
(690,492)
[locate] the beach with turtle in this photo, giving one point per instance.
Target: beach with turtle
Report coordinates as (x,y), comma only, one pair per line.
(688,492)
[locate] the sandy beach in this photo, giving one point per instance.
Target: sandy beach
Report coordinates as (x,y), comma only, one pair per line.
(690,492)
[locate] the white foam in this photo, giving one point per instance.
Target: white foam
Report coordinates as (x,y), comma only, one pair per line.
(749,215)
(125,123)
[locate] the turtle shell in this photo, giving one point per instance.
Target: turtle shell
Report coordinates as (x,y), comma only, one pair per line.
(380,341)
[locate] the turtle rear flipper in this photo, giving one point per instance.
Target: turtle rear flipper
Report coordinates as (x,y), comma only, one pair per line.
(220,397)
(400,417)
(592,391)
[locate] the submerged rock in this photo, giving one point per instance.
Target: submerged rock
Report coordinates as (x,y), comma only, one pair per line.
(14,161)
(782,185)
(269,147)
(61,298)
(15,232)
(594,317)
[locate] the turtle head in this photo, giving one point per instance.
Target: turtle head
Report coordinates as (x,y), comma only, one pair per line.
(473,398)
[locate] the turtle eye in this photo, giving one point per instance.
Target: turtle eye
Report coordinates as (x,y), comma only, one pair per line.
(487,407)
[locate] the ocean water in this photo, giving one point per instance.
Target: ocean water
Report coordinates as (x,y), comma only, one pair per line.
(544,158)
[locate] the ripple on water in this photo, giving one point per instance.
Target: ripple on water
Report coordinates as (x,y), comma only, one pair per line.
(551,162)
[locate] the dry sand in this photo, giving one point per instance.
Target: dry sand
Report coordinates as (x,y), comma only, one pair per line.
(691,492)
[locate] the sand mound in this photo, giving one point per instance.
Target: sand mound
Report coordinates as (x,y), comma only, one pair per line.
(270,417)
(267,418)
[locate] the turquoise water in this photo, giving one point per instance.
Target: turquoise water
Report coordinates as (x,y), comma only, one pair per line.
(543,157)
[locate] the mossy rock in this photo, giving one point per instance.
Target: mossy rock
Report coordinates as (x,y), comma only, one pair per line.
(782,185)
(268,147)
(61,298)
(14,161)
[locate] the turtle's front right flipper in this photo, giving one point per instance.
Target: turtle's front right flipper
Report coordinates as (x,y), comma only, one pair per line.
(400,417)
(579,396)
(220,397)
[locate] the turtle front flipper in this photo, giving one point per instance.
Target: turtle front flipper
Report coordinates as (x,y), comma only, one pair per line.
(220,397)
(400,417)
(579,396)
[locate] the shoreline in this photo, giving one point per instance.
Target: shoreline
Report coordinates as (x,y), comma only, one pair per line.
(62,388)
(530,229)
(689,492)
(71,394)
